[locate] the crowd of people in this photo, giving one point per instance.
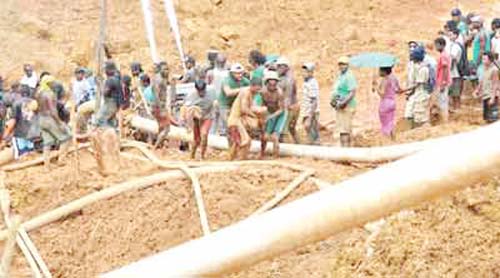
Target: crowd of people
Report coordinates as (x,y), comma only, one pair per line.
(262,103)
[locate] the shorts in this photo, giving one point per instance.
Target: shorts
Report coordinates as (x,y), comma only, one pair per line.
(21,147)
(344,120)
(456,87)
(421,109)
(490,112)
(410,105)
(277,124)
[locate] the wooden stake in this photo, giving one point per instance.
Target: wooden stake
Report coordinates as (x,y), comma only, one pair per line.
(283,194)
(8,252)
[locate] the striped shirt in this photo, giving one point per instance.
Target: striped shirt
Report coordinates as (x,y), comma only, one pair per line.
(310,96)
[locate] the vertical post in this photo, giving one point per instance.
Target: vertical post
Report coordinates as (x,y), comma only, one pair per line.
(100,54)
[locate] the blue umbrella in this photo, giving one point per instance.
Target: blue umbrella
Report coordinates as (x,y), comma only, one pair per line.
(373,60)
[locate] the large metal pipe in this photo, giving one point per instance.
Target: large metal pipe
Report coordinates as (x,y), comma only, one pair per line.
(434,172)
(369,155)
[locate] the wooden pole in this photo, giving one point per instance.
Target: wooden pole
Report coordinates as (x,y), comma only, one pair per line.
(438,171)
(9,249)
(110,192)
(283,194)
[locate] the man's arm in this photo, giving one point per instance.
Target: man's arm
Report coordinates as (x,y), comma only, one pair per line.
(232,92)
(281,108)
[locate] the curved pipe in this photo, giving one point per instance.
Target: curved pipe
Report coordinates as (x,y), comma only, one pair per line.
(435,172)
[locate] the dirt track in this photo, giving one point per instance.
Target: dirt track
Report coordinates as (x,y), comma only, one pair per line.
(457,236)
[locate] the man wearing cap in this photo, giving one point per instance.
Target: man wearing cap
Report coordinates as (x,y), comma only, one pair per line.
(244,117)
(310,103)
(200,110)
(231,87)
(289,89)
(343,99)
(456,15)
(274,100)
(417,106)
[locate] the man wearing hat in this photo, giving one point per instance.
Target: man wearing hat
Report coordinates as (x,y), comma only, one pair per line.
(343,99)
(274,100)
(456,15)
(231,87)
(289,89)
(310,103)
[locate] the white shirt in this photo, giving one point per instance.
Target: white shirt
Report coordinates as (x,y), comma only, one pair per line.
(30,81)
(495,46)
(310,96)
(80,90)
(447,48)
(455,54)
(219,76)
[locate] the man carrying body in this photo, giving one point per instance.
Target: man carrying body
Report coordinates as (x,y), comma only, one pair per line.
(199,106)
(244,118)
(274,100)
(231,87)
(55,132)
(289,88)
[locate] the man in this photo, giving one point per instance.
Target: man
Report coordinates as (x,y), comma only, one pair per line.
(289,89)
(456,16)
(105,139)
(219,74)
(488,89)
(29,79)
(55,132)
(190,75)
(243,118)
(199,105)
(417,111)
(310,103)
(482,42)
(80,88)
(443,78)
(164,102)
(231,87)
(274,100)
(257,60)
(457,50)
(343,99)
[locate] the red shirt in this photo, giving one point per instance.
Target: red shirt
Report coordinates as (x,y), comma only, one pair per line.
(444,61)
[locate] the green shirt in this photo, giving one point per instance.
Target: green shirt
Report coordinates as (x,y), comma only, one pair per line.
(463,28)
(258,72)
(344,84)
(225,101)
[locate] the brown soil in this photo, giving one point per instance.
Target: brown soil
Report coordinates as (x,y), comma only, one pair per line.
(456,236)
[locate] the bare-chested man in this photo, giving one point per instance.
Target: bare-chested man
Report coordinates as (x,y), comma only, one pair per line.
(244,117)
(274,100)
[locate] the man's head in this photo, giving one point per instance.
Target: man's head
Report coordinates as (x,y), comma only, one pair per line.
(477,22)
(440,44)
(418,54)
(271,79)
(255,84)
(28,70)
(237,71)
(190,62)
(385,71)
(145,80)
(456,14)
(343,63)
(79,73)
(201,87)
(308,70)
(220,61)
(495,24)
(450,25)
(454,34)
(488,59)
(256,58)
(110,68)
(283,65)
(135,68)
(163,69)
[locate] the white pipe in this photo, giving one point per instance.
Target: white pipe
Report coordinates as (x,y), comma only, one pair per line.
(174,25)
(150,29)
(435,172)
(369,155)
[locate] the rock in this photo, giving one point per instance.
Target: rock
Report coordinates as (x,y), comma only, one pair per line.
(228,33)
(216,2)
